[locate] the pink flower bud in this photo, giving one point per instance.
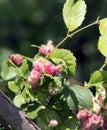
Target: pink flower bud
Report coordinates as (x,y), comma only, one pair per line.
(53,123)
(86,123)
(34,77)
(83,114)
(40,65)
(92,123)
(16,59)
(96,120)
(49,69)
(58,69)
(45,66)
(47,49)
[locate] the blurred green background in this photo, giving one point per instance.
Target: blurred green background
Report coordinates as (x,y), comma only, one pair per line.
(26,22)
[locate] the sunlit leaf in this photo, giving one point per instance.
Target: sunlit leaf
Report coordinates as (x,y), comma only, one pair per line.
(102,45)
(66,58)
(98,79)
(74,13)
(103,27)
(19,100)
(13,87)
(33,114)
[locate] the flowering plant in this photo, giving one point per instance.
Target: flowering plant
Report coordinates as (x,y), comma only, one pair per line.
(41,86)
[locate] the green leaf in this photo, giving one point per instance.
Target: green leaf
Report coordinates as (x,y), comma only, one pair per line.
(24,68)
(102,45)
(71,99)
(103,27)
(49,115)
(19,100)
(66,58)
(76,97)
(71,123)
(33,114)
(7,73)
(13,87)
(74,13)
(98,78)
(84,96)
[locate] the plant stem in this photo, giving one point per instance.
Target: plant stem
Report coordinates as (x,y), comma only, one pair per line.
(72,34)
(67,36)
(104,65)
(87,26)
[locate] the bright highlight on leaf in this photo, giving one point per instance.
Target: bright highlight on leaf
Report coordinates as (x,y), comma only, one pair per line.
(103,27)
(102,43)
(74,13)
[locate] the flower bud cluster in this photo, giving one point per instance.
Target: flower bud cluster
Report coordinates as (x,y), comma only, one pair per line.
(43,66)
(90,121)
(16,59)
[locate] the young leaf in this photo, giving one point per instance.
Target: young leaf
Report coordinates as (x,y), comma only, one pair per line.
(33,114)
(66,58)
(102,45)
(103,27)
(74,13)
(7,73)
(19,100)
(13,87)
(24,68)
(98,78)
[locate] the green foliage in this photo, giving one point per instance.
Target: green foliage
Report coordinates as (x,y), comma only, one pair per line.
(66,58)
(13,87)
(103,27)
(102,43)
(73,13)
(76,97)
(71,124)
(18,100)
(53,96)
(49,114)
(7,72)
(98,79)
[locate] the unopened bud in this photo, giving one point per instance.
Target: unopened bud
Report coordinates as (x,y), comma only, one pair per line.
(47,49)
(34,77)
(83,114)
(16,59)
(53,123)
